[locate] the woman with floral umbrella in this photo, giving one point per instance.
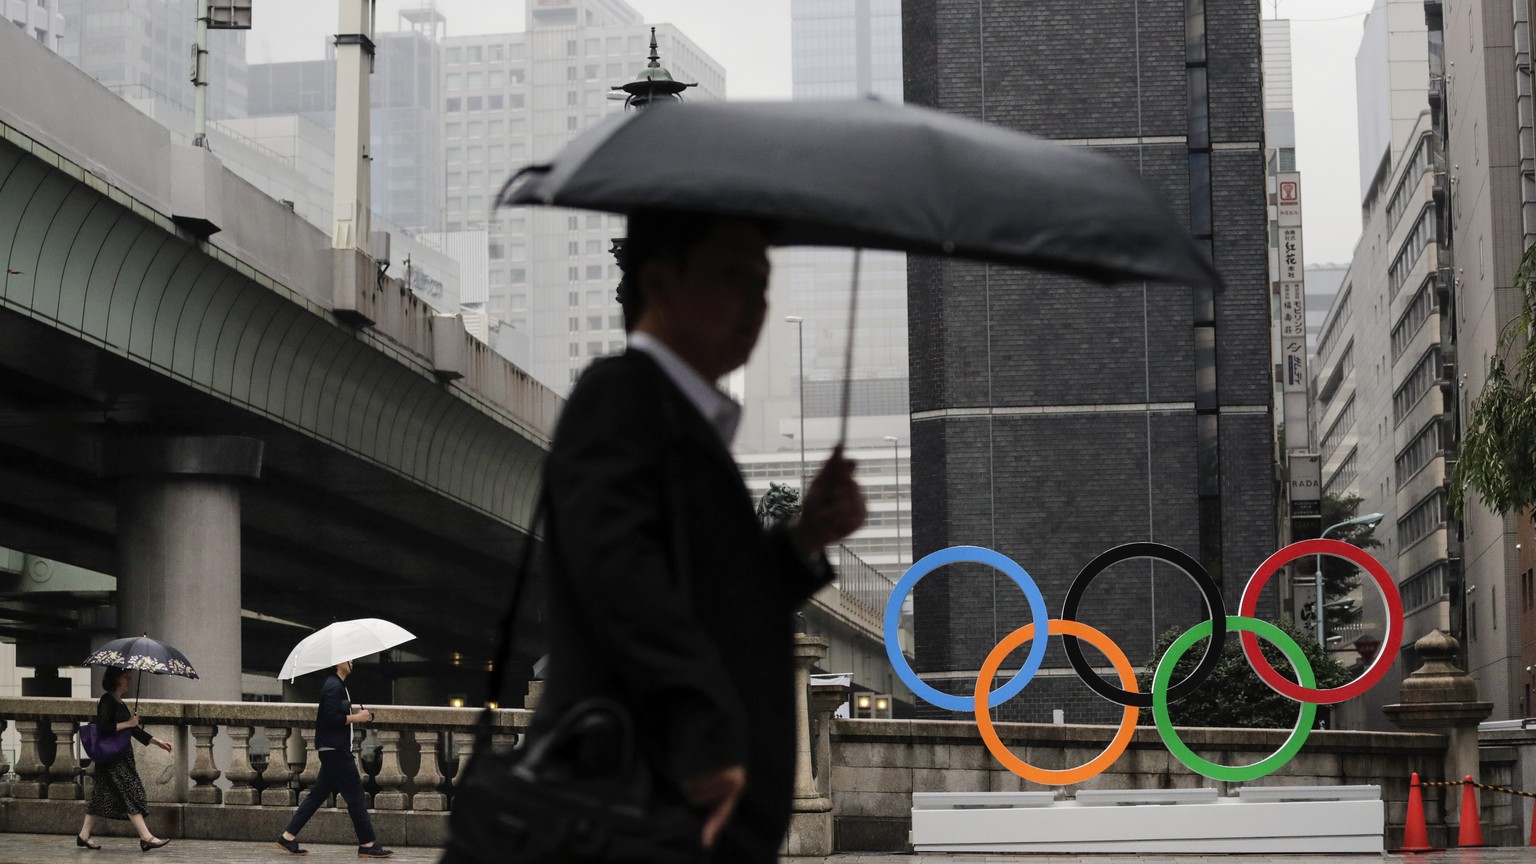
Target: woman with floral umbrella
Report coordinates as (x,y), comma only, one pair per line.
(118,792)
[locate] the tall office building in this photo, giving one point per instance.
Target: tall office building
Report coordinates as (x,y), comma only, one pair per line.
(40,19)
(1053,418)
(839,50)
(406,141)
(1480,86)
(143,48)
(1381,409)
(513,98)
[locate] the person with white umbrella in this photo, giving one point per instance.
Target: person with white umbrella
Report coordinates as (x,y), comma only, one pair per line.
(337,646)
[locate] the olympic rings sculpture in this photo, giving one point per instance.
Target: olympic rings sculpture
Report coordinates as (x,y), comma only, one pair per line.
(1164,692)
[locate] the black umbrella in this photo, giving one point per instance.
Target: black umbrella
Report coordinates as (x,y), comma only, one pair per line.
(142,654)
(877,175)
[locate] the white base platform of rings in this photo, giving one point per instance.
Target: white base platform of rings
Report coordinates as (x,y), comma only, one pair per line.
(1259,819)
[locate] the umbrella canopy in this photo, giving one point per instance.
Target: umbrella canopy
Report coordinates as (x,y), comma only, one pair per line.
(342,641)
(877,175)
(142,654)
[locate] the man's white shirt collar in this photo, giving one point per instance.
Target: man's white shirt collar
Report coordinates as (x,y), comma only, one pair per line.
(722,412)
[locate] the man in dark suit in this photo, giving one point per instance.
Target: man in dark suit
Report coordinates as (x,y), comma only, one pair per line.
(334,717)
(666,594)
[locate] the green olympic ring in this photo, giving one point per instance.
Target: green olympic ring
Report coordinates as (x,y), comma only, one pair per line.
(1181,751)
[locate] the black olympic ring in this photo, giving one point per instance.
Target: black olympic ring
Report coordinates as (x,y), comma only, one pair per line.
(1214,604)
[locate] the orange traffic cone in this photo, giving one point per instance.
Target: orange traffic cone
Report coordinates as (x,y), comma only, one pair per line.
(1415,833)
(1471,830)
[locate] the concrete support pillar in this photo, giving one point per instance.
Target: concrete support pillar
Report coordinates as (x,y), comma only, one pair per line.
(178,543)
(1440,697)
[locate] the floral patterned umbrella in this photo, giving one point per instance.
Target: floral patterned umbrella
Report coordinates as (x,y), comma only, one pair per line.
(142,654)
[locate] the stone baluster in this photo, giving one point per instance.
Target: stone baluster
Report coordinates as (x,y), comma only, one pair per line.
(810,829)
(429,778)
(391,779)
(309,769)
(29,765)
(63,778)
(5,767)
(808,650)
(825,700)
(362,774)
(464,746)
(241,775)
(204,772)
(277,773)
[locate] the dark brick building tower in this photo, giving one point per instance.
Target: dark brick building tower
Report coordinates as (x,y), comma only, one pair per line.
(1052,418)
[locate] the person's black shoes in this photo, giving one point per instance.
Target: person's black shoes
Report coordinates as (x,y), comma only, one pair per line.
(374,851)
(290,846)
(85,844)
(145,845)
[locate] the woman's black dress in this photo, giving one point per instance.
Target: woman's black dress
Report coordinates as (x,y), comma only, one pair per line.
(119,793)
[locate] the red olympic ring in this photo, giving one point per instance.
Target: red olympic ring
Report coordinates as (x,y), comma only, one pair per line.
(1384,657)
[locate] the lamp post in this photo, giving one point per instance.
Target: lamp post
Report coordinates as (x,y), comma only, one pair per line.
(653,84)
(896,467)
(800,341)
(1367,519)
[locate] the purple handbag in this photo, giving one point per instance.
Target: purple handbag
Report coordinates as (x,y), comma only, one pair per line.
(104,749)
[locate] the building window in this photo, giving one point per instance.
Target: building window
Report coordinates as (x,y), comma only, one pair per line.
(594,271)
(474,53)
(495,102)
(475,103)
(451,105)
(570,124)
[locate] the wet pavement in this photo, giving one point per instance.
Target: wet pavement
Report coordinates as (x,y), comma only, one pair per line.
(46,849)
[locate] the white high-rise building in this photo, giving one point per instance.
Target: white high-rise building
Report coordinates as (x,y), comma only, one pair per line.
(40,19)
(514,98)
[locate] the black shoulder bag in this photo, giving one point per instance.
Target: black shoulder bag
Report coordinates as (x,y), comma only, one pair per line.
(580,794)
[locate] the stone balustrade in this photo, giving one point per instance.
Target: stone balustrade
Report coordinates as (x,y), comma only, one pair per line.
(234,759)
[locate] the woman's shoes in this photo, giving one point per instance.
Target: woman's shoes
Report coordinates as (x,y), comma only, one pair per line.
(145,845)
(85,844)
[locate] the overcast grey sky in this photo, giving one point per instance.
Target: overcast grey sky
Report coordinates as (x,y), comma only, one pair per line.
(751,39)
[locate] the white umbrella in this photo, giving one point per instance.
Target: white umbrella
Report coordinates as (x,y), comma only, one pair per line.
(341,641)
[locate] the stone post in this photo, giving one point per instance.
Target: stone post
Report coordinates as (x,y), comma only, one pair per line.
(32,773)
(1440,697)
(241,775)
(810,827)
(391,795)
(63,784)
(204,772)
(429,778)
(277,773)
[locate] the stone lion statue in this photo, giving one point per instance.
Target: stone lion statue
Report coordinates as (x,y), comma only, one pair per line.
(780,502)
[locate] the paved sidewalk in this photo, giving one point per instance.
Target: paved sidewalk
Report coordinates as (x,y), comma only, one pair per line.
(46,849)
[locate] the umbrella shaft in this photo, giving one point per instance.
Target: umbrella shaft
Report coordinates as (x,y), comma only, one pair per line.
(853,313)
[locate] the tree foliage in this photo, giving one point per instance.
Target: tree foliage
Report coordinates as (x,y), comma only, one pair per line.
(1496,460)
(1340,577)
(1234,695)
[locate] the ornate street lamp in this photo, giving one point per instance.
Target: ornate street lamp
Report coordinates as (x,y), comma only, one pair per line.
(654,84)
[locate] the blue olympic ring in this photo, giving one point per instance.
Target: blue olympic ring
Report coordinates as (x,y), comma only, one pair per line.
(975,555)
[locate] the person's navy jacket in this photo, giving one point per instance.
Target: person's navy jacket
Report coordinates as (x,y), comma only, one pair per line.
(331,728)
(701,653)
